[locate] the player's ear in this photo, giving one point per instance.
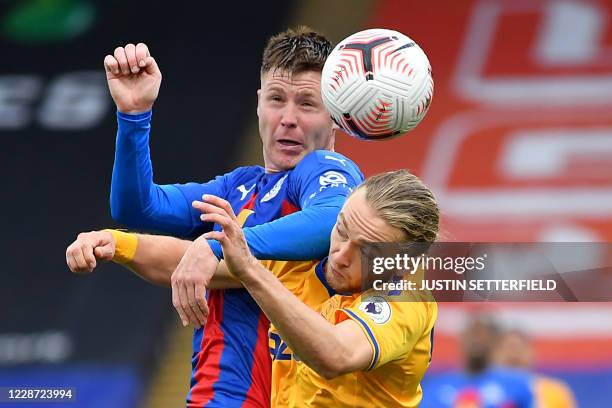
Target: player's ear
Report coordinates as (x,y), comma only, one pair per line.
(332,139)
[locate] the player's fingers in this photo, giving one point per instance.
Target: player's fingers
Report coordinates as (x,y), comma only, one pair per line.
(151,67)
(177,304)
(104,252)
(88,254)
(221,203)
(75,266)
(217,235)
(200,295)
(207,208)
(111,65)
(79,259)
(199,205)
(223,220)
(130,53)
(185,306)
(121,58)
(70,259)
(72,250)
(194,304)
(142,52)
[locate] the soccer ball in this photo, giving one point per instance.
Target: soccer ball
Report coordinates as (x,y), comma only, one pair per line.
(377,84)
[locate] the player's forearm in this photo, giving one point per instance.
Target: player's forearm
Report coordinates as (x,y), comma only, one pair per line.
(303,235)
(157,257)
(135,200)
(132,171)
(305,331)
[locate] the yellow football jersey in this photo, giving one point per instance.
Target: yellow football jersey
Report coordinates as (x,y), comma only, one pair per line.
(399,329)
(401,335)
(552,393)
(306,281)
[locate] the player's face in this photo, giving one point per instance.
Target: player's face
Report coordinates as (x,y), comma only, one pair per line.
(292,118)
(357,225)
(513,350)
(477,341)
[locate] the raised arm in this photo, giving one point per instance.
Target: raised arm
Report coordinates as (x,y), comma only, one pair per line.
(136,201)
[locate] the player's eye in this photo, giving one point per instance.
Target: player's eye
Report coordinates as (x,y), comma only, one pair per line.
(340,231)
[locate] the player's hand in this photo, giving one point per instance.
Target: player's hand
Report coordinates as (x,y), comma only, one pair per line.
(236,252)
(189,282)
(133,78)
(83,254)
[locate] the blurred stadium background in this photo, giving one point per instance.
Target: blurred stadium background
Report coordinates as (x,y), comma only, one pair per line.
(517,147)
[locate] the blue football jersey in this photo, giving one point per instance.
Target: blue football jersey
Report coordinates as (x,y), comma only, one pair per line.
(493,388)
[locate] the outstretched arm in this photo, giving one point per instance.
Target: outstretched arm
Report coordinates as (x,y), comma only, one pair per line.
(329,349)
(153,258)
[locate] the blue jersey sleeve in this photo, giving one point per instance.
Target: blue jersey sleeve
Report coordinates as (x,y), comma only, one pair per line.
(136,201)
(320,184)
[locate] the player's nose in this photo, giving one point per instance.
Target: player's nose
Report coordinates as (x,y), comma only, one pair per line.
(289,117)
(342,256)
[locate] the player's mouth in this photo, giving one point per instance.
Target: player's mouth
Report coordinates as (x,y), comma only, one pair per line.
(334,271)
(290,146)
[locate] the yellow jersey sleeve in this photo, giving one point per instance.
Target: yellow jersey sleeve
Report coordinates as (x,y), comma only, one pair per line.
(393,327)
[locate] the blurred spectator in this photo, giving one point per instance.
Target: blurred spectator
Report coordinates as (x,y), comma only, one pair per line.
(479,385)
(514,350)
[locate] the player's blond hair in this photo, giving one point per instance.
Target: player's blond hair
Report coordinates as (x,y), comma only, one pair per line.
(402,200)
(295,51)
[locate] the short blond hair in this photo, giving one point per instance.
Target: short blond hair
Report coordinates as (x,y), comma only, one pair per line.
(403,201)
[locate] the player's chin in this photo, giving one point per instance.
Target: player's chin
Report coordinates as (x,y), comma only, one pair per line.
(288,161)
(336,282)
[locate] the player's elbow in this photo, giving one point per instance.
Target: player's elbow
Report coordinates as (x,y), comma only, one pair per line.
(119,207)
(327,371)
(118,213)
(127,211)
(334,365)
(124,215)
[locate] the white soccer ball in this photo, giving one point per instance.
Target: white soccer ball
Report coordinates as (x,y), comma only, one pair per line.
(377,84)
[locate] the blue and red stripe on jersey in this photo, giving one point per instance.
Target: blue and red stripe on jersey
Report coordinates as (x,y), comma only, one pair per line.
(231,365)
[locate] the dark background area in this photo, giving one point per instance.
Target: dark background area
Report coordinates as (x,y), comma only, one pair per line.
(56,183)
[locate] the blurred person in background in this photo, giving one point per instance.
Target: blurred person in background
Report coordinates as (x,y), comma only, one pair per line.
(480,384)
(514,349)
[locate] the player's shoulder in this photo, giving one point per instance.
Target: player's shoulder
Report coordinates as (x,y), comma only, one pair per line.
(382,308)
(402,301)
(320,161)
